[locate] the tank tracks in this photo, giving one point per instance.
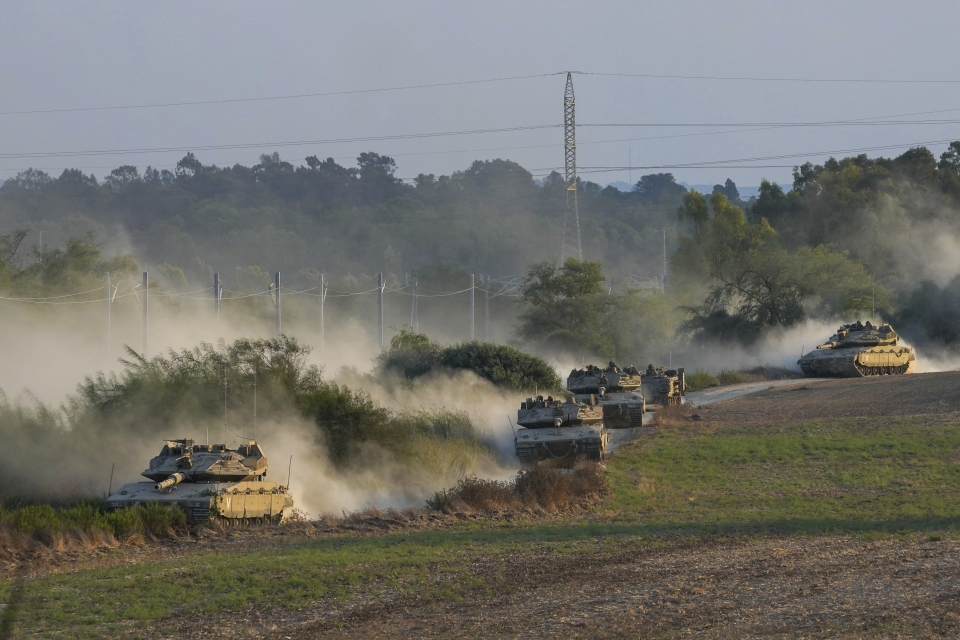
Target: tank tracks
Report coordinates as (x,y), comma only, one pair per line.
(882,371)
(557,450)
(858,370)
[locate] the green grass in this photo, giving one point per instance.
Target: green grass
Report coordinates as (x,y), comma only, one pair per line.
(872,478)
(43,521)
(811,476)
(700,379)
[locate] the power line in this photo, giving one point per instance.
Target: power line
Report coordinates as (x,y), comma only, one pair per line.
(778,125)
(109,152)
(284,97)
(767,79)
(724,163)
(299,96)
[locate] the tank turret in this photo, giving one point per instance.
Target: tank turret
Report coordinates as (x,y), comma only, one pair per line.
(859,349)
(615,390)
(209,481)
(559,428)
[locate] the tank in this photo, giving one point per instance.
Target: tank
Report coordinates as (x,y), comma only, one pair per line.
(616,391)
(209,482)
(857,350)
(559,429)
(662,387)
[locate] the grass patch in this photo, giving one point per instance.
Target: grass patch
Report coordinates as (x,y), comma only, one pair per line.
(826,471)
(701,379)
(85,522)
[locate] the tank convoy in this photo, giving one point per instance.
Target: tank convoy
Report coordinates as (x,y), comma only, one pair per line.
(559,428)
(209,482)
(616,391)
(857,350)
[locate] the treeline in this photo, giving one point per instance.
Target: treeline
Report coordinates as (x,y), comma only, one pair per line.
(854,237)
(492,217)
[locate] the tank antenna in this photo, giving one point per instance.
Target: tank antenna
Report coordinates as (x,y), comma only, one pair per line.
(254,403)
(224,404)
(511,427)
(110,486)
(289,467)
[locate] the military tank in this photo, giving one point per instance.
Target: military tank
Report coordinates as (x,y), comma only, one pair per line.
(662,387)
(857,350)
(616,391)
(559,429)
(209,482)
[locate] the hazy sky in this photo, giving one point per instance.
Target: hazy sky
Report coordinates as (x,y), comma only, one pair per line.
(61,55)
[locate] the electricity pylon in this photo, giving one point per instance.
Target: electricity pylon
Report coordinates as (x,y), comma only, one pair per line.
(571,216)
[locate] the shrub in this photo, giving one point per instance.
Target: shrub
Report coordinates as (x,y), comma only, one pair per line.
(701,379)
(413,355)
(541,486)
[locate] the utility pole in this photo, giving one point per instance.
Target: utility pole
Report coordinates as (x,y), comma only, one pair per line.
(380,308)
(414,321)
(107,287)
(323,297)
(486,307)
(571,245)
(663,288)
(473,314)
(276,286)
(216,299)
(146,311)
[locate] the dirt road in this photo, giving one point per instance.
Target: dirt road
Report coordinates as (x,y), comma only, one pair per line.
(923,393)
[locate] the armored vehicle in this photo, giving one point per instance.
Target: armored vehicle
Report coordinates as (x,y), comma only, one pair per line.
(209,482)
(859,350)
(562,428)
(663,386)
(615,390)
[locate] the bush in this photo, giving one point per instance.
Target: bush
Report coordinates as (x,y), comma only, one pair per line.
(700,379)
(541,486)
(502,365)
(412,355)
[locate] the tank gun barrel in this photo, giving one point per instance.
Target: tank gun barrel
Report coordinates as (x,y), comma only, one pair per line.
(172,480)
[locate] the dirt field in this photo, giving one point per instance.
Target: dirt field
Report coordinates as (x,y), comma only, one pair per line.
(783,588)
(924,393)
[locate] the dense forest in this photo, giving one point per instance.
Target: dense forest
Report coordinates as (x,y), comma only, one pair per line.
(854,237)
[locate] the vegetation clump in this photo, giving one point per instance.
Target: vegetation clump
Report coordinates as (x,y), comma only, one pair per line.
(551,488)
(86,522)
(413,355)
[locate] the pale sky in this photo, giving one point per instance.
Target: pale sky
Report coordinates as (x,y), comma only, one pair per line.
(64,55)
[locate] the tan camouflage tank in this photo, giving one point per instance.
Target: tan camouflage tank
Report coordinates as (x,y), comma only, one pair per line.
(562,428)
(857,350)
(209,482)
(663,386)
(615,390)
